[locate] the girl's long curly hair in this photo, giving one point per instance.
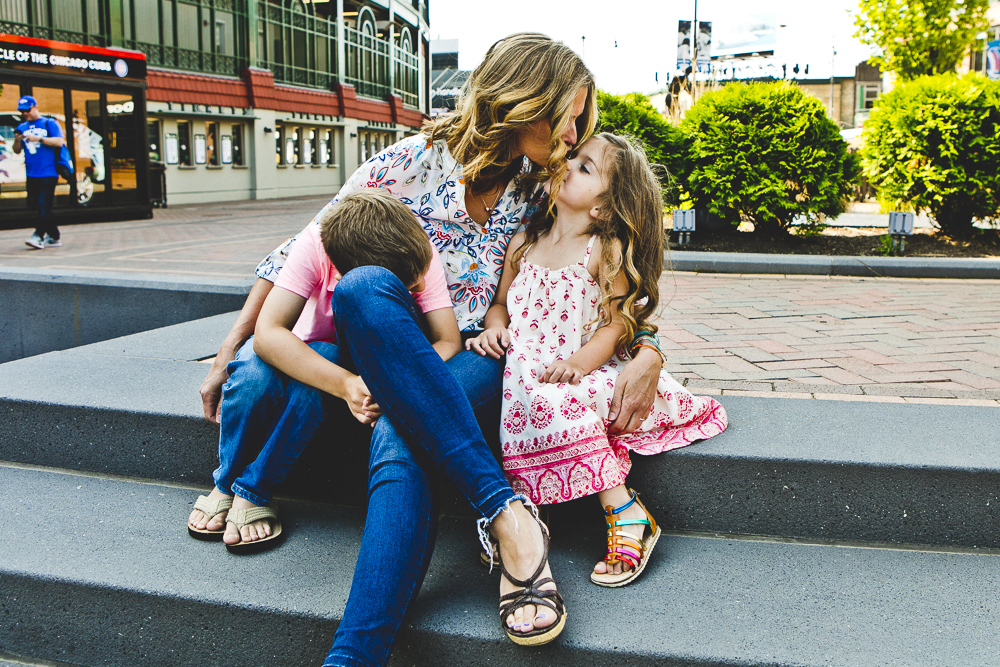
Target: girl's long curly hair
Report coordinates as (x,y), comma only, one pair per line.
(631,212)
(524,78)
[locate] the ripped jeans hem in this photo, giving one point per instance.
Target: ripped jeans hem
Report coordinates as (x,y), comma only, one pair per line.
(483,525)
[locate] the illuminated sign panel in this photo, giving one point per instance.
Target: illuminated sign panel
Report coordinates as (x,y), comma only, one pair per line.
(42,55)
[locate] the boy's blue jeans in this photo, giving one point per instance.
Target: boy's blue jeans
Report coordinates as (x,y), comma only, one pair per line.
(267,421)
(430,410)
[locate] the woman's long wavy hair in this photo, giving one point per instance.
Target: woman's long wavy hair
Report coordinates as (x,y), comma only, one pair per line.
(524,78)
(631,211)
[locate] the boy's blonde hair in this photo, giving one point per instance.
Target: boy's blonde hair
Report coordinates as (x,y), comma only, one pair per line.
(370,227)
(523,78)
(631,212)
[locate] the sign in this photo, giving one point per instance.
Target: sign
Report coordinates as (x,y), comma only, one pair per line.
(43,55)
(993,60)
(685,46)
(171,146)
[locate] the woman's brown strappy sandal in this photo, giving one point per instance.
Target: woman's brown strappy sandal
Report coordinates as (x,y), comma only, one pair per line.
(531,593)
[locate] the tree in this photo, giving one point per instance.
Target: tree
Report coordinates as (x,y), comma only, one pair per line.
(935,143)
(665,144)
(767,152)
(920,37)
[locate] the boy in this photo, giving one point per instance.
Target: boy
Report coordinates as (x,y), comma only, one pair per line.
(283,378)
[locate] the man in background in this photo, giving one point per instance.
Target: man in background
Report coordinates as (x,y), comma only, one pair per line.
(41,138)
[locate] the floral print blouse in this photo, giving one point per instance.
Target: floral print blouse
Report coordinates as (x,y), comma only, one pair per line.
(425,177)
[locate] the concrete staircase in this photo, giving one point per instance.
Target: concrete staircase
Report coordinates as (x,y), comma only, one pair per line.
(810,533)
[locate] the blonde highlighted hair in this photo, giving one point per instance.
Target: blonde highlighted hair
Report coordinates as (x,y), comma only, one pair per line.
(630,211)
(524,78)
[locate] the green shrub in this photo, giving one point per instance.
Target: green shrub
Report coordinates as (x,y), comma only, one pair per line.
(665,144)
(768,152)
(935,142)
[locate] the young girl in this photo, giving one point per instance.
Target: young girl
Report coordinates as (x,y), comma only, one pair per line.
(575,288)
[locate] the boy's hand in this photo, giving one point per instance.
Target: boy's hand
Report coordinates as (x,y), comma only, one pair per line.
(563,371)
(494,342)
(360,401)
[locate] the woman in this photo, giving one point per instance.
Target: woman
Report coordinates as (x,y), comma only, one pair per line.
(472,178)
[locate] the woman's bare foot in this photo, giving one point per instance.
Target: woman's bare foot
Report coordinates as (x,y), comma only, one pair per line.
(521,550)
(251,532)
(200,521)
(616,498)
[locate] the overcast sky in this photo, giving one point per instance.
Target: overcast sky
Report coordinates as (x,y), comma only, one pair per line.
(645,32)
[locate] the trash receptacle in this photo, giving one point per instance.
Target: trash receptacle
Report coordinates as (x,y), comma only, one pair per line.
(158,184)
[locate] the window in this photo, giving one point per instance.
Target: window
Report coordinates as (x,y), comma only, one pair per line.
(184,143)
(212,143)
(292,137)
(330,157)
(238,145)
(279,143)
(153,137)
(309,152)
(867,94)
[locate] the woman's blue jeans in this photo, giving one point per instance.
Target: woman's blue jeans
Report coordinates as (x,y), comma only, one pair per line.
(429,409)
(267,421)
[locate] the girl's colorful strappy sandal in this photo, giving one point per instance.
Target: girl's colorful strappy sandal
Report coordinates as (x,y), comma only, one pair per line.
(531,593)
(624,547)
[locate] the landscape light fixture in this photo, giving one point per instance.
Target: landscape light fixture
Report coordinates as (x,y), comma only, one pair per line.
(684,225)
(900,226)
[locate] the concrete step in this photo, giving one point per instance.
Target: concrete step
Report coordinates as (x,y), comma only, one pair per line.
(817,470)
(51,309)
(99,571)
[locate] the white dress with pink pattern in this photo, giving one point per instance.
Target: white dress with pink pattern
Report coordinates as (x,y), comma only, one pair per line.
(554,436)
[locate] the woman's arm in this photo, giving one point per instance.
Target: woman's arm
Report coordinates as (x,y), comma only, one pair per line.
(635,391)
(443,332)
(275,343)
(211,388)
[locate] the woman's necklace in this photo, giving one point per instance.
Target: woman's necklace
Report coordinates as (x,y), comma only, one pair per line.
(496,200)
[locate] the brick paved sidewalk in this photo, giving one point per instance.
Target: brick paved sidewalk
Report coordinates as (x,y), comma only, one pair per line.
(874,339)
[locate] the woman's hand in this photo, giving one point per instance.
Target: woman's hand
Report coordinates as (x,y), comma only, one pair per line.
(564,371)
(634,392)
(494,342)
(360,401)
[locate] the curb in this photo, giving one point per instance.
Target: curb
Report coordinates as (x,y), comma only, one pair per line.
(827,265)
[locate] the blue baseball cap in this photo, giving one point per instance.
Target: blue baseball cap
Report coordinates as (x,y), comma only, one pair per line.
(26,102)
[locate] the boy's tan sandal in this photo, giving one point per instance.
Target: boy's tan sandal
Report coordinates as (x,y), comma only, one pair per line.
(210,508)
(243,517)
(626,548)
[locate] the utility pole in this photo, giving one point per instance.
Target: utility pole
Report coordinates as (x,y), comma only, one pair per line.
(832,59)
(694,55)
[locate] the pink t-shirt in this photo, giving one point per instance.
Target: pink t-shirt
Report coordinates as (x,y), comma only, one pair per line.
(308,272)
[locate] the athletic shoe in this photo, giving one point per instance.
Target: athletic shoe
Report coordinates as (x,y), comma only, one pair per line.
(50,242)
(35,242)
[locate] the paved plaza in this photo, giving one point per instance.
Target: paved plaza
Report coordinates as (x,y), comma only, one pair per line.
(809,337)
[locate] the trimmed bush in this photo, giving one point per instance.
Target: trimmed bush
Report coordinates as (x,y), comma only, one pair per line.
(934,142)
(769,153)
(665,144)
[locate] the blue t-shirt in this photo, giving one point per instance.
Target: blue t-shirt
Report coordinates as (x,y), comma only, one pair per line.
(39,159)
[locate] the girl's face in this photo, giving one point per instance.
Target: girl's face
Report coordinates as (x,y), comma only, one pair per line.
(533,140)
(585,178)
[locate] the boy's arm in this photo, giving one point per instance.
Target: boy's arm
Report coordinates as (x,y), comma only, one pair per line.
(275,343)
(443,332)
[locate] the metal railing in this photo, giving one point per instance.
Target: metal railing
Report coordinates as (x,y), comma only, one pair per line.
(367,63)
(172,57)
(297,47)
(407,80)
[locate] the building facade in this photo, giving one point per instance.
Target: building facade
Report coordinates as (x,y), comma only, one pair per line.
(250,99)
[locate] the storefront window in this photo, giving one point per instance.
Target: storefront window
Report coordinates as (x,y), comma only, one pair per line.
(292,137)
(331,148)
(212,143)
(123,146)
(238,145)
(311,150)
(184,143)
(12,192)
(88,128)
(279,145)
